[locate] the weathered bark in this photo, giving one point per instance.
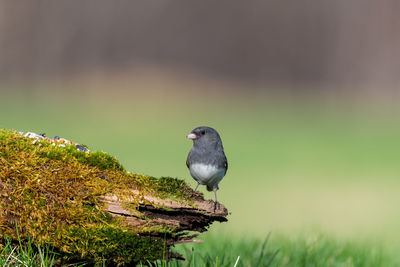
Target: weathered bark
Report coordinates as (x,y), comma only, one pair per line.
(187,221)
(176,215)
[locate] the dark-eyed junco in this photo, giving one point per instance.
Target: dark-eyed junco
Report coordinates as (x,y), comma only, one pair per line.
(206,160)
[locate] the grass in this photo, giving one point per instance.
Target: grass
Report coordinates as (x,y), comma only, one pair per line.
(308,249)
(27,255)
(275,250)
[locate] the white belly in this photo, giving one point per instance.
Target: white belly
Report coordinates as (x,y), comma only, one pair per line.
(207,174)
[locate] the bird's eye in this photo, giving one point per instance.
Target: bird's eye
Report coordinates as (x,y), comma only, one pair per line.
(203,132)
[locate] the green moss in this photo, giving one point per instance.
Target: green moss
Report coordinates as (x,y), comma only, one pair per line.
(167,187)
(111,244)
(98,159)
(53,193)
(158,229)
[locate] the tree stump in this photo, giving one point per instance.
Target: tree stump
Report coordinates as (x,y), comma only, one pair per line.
(87,207)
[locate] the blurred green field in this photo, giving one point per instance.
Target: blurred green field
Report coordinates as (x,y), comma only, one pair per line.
(295,163)
(306,249)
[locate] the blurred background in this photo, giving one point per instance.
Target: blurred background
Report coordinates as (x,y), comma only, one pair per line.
(305,95)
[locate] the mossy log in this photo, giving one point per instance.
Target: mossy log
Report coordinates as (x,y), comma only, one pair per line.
(87,207)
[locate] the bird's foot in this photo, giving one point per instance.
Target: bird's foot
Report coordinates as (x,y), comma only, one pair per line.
(216,204)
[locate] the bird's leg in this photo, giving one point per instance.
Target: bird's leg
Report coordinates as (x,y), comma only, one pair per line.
(216,200)
(197,186)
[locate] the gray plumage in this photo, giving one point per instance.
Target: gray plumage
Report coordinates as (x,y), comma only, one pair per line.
(206,160)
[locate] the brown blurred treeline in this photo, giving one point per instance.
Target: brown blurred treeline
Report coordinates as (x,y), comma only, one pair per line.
(310,41)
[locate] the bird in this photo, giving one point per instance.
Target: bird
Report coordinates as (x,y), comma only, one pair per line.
(206,161)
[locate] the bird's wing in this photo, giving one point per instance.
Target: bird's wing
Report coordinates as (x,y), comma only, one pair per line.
(223,162)
(226,165)
(187,160)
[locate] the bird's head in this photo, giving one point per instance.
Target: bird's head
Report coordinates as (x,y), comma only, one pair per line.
(205,135)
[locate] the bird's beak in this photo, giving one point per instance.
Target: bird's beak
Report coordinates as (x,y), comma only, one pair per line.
(191,136)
